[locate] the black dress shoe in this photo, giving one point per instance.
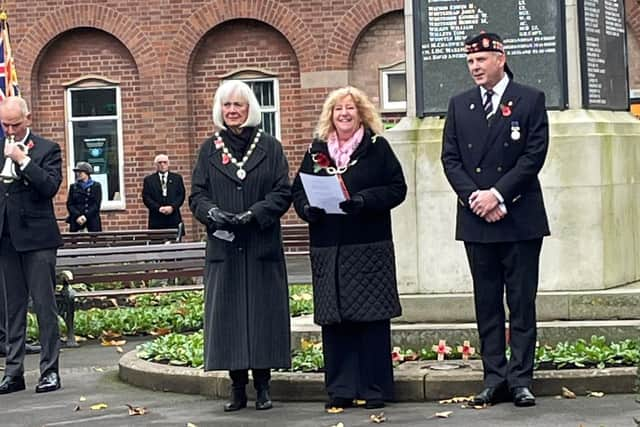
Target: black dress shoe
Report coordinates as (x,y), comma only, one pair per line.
(238,400)
(32,348)
(339,402)
(48,382)
(490,396)
(374,404)
(522,396)
(263,400)
(11,384)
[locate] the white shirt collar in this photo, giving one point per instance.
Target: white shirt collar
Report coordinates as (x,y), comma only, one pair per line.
(498,89)
(26,137)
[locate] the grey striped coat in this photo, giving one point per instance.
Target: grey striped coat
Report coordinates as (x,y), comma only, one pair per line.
(246,294)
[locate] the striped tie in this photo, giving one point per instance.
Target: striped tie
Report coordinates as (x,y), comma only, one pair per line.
(488,104)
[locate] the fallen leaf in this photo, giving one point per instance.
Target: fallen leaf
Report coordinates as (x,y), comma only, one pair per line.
(338,425)
(334,410)
(377,419)
(191,425)
(76,408)
(110,335)
(456,399)
(358,402)
(99,406)
(136,410)
(113,343)
(595,394)
(160,331)
(568,394)
(98,369)
(444,414)
(119,349)
(82,398)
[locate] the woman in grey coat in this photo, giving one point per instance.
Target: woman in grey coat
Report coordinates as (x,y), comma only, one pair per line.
(240,189)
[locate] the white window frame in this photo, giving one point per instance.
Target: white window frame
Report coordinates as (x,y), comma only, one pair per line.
(276,96)
(107,205)
(391,106)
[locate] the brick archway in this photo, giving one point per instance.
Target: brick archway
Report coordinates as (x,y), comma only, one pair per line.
(350,27)
(32,46)
(632,12)
(270,12)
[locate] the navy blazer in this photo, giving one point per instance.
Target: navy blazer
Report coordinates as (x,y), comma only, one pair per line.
(506,153)
(27,202)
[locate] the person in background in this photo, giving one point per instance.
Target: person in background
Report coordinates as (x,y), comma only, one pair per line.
(240,190)
(84,200)
(495,141)
(352,256)
(163,194)
(29,238)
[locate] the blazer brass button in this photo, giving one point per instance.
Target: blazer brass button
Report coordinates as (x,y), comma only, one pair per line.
(506,144)
(470,145)
(499,168)
(478,170)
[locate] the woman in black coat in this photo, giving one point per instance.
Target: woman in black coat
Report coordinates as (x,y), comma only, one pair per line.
(239,191)
(352,256)
(83,200)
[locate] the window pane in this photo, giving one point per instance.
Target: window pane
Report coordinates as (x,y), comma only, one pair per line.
(264,92)
(397,88)
(269,122)
(93,102)
(96,142)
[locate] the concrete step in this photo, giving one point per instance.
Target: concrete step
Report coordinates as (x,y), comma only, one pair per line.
(618,303)
(419,335)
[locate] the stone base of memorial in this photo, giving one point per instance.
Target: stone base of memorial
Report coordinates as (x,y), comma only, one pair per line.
(591,182)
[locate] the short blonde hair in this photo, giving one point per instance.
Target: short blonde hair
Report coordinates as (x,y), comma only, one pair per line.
(240,88)
(367,111)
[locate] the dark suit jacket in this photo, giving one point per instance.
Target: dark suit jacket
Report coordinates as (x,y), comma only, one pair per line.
(478,156)
(84,202)
(153,199)
(27,202)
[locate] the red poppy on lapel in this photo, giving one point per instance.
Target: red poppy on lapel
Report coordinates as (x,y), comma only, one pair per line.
(30,145)
(225,158)
(505,110)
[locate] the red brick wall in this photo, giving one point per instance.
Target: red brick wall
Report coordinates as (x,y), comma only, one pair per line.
(382,43)
(79,53)
(168,57)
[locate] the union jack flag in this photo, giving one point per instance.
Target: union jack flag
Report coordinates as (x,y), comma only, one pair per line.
(8,75)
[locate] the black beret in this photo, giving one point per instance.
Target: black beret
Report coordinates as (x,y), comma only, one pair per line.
(484,42)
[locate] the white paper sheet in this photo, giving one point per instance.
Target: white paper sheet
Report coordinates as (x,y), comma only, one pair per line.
(323,192)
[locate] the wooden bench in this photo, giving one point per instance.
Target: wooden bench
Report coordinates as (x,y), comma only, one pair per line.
(125,264)
(121,238)
(295,238)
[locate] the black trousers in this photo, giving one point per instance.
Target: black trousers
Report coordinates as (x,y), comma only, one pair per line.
(495,267)
(29,273)
(357,360)
(240,378)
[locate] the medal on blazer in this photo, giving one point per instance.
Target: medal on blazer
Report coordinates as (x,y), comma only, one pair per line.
(515,131)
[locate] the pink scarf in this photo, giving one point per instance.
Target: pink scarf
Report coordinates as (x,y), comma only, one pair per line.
(341,153)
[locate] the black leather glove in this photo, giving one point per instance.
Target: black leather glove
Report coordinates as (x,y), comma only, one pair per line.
(354,205)
(242,218)
(219,218)
(313,213)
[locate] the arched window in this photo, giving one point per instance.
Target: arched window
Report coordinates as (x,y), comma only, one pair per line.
(265,87)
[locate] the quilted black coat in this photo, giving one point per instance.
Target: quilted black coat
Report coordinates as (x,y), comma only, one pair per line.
(352,256)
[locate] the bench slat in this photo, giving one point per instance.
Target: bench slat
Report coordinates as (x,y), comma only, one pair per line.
(137,291)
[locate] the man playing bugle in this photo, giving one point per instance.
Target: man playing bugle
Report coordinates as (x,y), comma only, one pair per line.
(29,237)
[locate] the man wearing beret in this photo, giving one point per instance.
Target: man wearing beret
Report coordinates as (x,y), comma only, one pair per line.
(494,144)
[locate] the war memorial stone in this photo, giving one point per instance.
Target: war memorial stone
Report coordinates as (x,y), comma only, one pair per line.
(575,51)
